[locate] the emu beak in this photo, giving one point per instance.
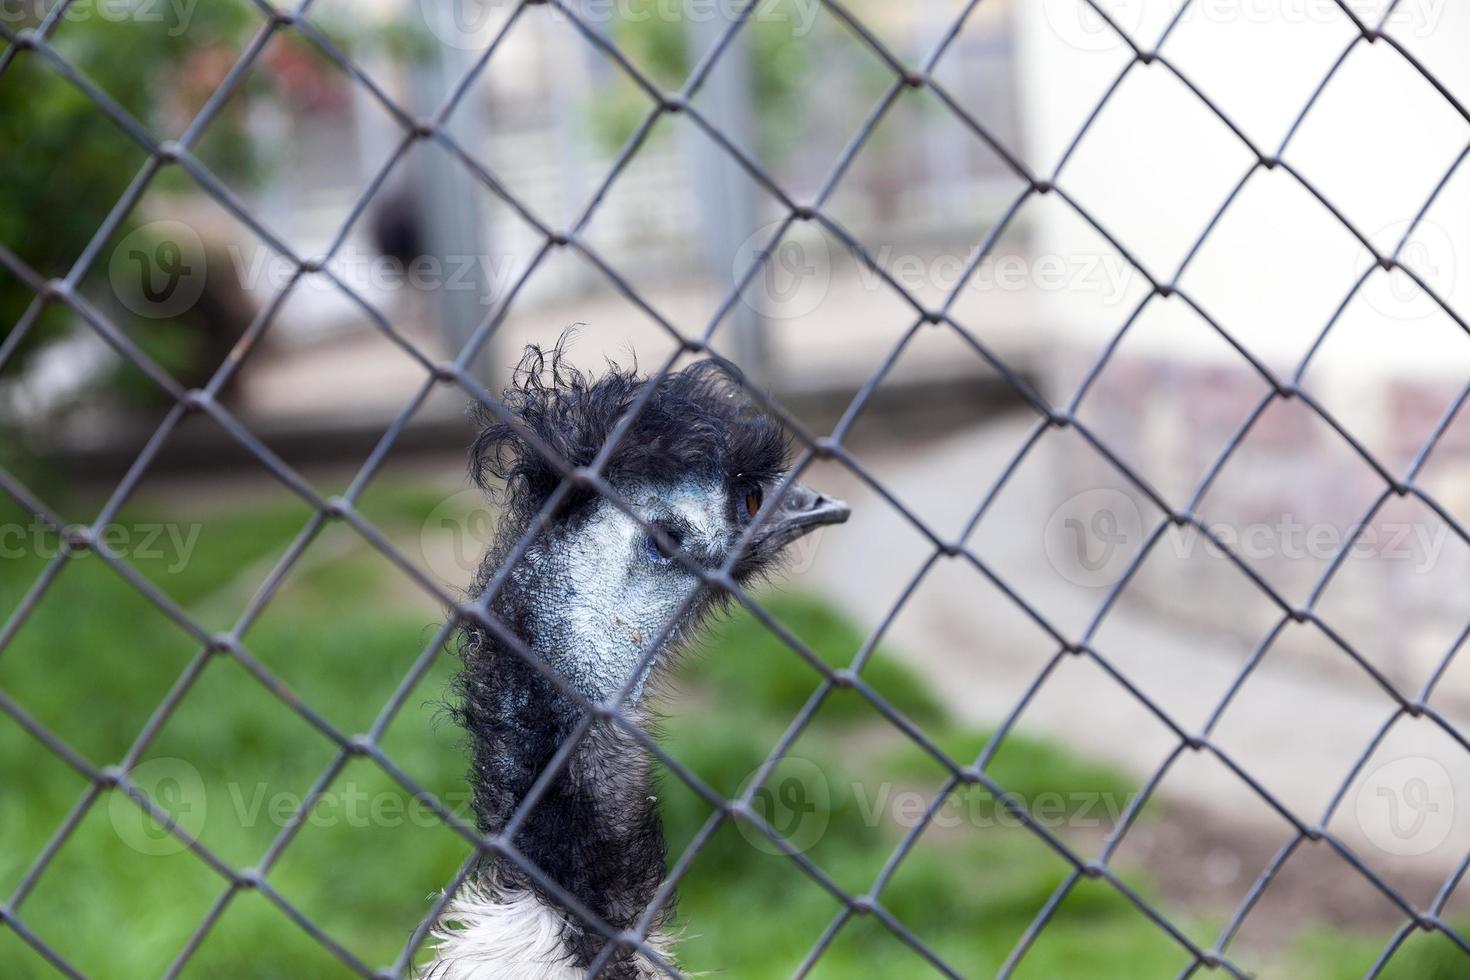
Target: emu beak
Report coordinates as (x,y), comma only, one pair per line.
(801,510)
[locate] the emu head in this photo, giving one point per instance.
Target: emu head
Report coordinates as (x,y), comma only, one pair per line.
(702,480)
(599,590)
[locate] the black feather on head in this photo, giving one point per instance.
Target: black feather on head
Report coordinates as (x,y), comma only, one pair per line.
(595,829)
(697,422)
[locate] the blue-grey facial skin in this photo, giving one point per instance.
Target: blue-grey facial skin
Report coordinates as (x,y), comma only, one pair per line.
(604,602)
(604,607)
(602,592)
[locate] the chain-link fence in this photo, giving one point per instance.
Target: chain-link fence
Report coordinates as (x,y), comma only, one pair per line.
(36,43)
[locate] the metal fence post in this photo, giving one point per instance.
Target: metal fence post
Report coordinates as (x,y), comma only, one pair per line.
(454,229)
(725,196)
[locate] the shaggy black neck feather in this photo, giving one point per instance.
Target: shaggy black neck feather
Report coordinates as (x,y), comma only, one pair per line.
(596,830)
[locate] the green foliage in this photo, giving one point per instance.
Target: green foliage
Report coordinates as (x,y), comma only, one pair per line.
(64,163)
(1423,956)
(755,672)
(94,660)
(1040,775)
(969,891)
(653,35)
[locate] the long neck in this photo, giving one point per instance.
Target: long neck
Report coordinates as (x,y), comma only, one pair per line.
(596,830)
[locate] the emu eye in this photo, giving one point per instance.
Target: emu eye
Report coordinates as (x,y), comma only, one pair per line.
(656,550)
(753,499)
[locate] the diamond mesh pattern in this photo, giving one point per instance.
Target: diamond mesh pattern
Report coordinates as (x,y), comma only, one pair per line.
(36,43)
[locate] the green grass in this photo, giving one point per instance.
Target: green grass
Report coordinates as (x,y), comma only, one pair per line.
(95,658)
(1423,956)
(968,889)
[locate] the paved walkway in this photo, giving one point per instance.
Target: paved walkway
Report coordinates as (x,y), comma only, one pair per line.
(1293,729)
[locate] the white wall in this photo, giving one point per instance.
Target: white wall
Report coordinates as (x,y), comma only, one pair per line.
(1157,164)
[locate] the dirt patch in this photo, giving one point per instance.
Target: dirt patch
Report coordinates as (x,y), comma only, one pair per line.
(1208,865)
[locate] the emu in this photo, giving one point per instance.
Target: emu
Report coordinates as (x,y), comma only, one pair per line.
(591,596)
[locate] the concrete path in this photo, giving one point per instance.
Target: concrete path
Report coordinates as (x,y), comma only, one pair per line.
(1296,730)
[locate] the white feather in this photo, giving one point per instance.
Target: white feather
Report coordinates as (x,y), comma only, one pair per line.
(492,932)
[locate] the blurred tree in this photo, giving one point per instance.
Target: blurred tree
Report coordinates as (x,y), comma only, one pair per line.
(656,43)
(64,164)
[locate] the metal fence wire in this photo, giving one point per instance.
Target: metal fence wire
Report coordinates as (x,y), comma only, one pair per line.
(36,43)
